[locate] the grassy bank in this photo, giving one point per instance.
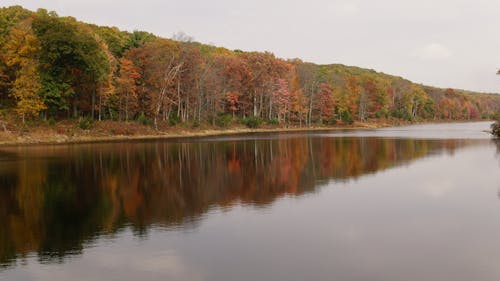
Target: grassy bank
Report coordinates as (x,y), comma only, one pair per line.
(65,132)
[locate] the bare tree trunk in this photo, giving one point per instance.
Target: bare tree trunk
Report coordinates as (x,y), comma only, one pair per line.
(100,107)
(261,104)
(199,105)
(270,116)
(93,105)
(126,106)
(255,104)
(363,104)
(310,109)
(179,98)
(119,109)
(170,73)
(75,111)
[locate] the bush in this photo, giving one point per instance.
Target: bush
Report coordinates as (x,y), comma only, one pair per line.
(330,121)
(273,121)
(402,114)
(174,120)
(52,122)
(196,124)
(86,123)
(396,114)
(382,114)
(252,122)
(142,119)
(223,120)
(346,117)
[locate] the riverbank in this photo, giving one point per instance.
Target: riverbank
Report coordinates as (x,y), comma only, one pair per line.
(67,132)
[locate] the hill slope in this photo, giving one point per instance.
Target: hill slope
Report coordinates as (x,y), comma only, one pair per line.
(57,67)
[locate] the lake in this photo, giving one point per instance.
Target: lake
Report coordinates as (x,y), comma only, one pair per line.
(407,203)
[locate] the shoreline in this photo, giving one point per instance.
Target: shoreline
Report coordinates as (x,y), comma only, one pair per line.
(10,138)
(16,139)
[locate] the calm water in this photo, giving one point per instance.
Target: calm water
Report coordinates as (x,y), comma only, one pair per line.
(409,203)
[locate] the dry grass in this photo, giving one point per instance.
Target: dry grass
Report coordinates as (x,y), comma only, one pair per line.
(104,131)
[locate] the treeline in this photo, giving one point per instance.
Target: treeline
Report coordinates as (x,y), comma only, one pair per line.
(57,67)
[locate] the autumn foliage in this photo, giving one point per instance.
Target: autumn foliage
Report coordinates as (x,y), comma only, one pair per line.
(57,67)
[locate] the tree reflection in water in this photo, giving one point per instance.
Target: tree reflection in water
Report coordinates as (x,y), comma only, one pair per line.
(54,199)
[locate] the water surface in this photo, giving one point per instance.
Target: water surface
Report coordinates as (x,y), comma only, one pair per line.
(407,203)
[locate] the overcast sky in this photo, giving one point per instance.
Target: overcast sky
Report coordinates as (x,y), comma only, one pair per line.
(445,43)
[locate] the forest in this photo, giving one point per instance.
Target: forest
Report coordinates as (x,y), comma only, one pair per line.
(56,68)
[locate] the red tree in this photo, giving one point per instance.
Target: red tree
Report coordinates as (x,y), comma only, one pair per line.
(232,102)
(325,102)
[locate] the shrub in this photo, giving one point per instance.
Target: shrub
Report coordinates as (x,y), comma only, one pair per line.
(273,121)
(86,123)
(252,122)
(382,114)
(330,121)
(142,119)
(52,122)
(396,114)
(402,114)
(346,117)
(223,120)
(174,120)
(196,124)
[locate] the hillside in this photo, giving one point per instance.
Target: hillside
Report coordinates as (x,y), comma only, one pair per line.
(57,68)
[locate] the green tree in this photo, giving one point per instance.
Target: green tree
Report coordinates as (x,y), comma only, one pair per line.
(72,62)
(9,17)
(117,41)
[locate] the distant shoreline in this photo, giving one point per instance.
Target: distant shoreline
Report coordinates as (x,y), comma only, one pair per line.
(47,135)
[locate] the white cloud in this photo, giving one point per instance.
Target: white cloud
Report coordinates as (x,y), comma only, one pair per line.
(433,51)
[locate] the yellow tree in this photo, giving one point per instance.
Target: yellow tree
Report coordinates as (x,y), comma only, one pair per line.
(20,51)
(414,101)
(105,87)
